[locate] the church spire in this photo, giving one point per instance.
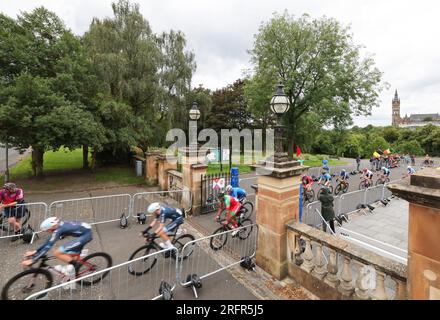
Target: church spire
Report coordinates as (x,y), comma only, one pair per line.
(396,97)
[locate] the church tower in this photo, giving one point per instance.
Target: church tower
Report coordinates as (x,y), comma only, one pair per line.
(396,120)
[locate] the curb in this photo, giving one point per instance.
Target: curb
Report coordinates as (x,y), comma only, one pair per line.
(85,190)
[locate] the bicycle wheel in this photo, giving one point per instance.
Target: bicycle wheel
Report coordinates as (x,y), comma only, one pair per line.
(248,209)
(362,185)
(91,264)
(222,215)
(347,185)
(180,242)
(218,241)
(338,189)
(142,266)
(27,283)
(379,181)
(247,229)
(308,197)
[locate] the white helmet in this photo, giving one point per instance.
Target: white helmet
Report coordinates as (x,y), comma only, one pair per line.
(49,223)
(228,188)
(153,207)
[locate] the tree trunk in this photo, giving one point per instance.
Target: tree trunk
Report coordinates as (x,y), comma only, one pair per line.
(37,161)
(85,156)
(93,165)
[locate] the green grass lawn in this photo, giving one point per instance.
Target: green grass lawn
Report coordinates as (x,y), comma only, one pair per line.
(65,160)
(309,160)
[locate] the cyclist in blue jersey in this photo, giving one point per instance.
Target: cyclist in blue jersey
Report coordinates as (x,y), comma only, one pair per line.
(60,229)
(410,171)
(325,178)
(385,173)
(161,215)
(237,193)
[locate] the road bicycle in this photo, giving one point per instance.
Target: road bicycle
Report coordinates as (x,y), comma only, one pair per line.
(342,186)
(382,180)
(246,209)
(364,184)
(142,266)
(220,236)
(40,278)
(308,196)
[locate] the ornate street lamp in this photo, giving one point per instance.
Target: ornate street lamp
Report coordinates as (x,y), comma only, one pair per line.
(279,105)
(194,112)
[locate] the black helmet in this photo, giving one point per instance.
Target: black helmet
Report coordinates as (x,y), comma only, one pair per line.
(123,222)
(27,234)
(9,186)
(141,218)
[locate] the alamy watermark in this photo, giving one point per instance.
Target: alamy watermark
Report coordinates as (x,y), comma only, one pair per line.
(242,146)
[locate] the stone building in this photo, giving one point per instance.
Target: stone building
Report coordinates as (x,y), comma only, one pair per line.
(414,120)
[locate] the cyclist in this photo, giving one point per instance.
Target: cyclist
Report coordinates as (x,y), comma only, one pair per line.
(368,176)
(410,171)
(325,177)
(60,229)
(232,206)
(427,160)
(237,193)
(10,196)
(307,182)
(344,176)
(325,166)
(385,173)
(161,215)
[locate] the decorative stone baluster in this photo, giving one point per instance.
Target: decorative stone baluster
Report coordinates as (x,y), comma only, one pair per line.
(346,286)
(308,256)
(380,293)
(362,282)
(400,290)
(298,251)
(319,271)
(332,268)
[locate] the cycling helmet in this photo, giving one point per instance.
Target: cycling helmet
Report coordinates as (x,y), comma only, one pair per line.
(383,168)
(365,170)
(153,207)
(49,223)
(325,161)
(228,188)
(10,186)
(343,170)
(409,167)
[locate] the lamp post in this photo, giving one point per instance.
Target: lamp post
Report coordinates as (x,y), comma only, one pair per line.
(194,115)
(279,105)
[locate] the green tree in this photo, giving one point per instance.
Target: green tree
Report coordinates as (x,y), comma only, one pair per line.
(390,134)
(320,67)
(409,147)
(375,144)
(42,96)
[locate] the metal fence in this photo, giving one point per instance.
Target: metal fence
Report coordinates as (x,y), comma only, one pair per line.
(93,210)
(216,253)
(174,198)
(351,201)
(117,283)
(33,214)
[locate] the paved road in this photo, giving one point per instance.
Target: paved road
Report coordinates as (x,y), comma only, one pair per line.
(14,157)
(120,243)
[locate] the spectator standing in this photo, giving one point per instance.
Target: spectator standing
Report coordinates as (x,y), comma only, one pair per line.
(358,162)
(327,211)
(10,196)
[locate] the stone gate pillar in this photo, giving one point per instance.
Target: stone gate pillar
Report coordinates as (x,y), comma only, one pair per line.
(192,170)
(277,202)
(151,164)
(423,194)
(164,164)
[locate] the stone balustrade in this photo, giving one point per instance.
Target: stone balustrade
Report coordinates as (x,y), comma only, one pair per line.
(344,270)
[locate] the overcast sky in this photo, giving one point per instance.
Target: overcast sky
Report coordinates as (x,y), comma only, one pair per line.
(403,36)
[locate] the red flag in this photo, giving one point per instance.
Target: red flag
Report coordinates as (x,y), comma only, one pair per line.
(298,151)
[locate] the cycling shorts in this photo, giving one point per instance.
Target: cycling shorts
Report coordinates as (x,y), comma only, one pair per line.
(173,224)
(75,246)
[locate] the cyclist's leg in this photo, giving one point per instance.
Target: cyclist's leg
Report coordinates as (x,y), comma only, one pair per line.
(173,225)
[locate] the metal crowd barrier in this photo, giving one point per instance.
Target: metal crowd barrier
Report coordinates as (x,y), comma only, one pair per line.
(116,283)
(93,210)
(374,194)
(309,215)
(35,213)
(174,198)
(350,201)
(216,253)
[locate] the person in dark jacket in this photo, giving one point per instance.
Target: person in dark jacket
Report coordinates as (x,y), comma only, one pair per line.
(327,211)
